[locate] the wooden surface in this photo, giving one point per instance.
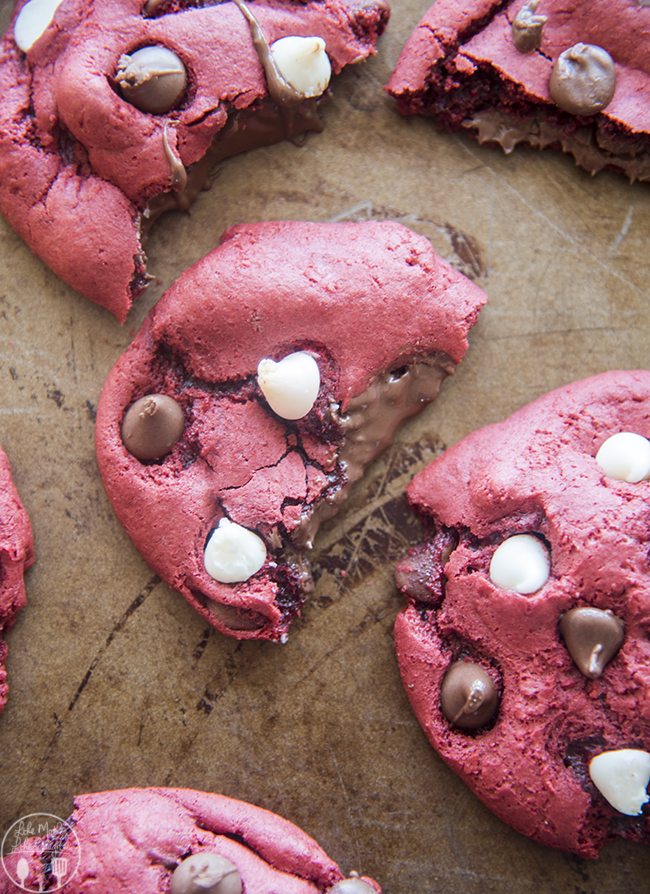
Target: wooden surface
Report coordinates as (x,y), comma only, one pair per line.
(116,682)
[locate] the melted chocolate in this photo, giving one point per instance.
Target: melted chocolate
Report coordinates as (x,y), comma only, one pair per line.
(232,617)
(369,425)
(281,91)
(248,129)
(179,172)
(591,145)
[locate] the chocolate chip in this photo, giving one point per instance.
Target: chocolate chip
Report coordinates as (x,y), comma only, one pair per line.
(592,636)
(468,696)
(206,873)
(151,7)
(152,79)
(527,28)
(152,425)
(583,79)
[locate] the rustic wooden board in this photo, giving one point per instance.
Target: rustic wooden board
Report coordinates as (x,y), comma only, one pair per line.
(116,682)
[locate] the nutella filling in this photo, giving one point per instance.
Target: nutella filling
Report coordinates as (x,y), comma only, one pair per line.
(369,425)
(591,146)
(178,169)
(248,129)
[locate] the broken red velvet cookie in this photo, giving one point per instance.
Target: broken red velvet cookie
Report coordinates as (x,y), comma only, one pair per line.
(525,646)
(258,389)
(144,841)
(568,75)
(16,555)
(115,111)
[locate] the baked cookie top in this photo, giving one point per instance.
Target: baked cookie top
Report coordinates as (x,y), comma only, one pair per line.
(110,108)
(544,72)
(16,555)
(525,647)
(144,841)
(257,391)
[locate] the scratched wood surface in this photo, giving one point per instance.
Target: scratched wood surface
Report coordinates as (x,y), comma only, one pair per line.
(116,682)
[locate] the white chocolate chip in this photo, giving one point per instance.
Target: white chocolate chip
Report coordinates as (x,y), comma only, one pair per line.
(521,563)
(290,386)
(32,22)
(622,778)
(303,63)
(352,885)
(625,457)
(233,554)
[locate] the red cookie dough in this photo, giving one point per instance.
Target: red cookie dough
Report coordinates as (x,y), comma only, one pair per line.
(385,319)
(134,839)
(82,169)
(16,555)
(536,473)
(461,67)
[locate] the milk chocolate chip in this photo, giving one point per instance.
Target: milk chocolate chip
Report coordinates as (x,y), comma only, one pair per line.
(468,696)
(151,7)
(206,873)
(152,79)
(592,637)
(583,79)
(527,28)
(152,425)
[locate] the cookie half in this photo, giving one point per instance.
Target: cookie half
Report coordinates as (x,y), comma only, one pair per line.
(256,392)
(16,555)
(573,76)
(114,111)
(162,839)
(525,647)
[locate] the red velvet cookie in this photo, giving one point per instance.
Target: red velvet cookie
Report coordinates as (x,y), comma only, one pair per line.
(114,111)
(264,381)
(16,555)
(547,73)
(525,646)
(144,841)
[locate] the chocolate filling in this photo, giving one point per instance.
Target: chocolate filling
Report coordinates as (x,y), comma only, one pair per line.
(594,146)
(369,426)
(248,129)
